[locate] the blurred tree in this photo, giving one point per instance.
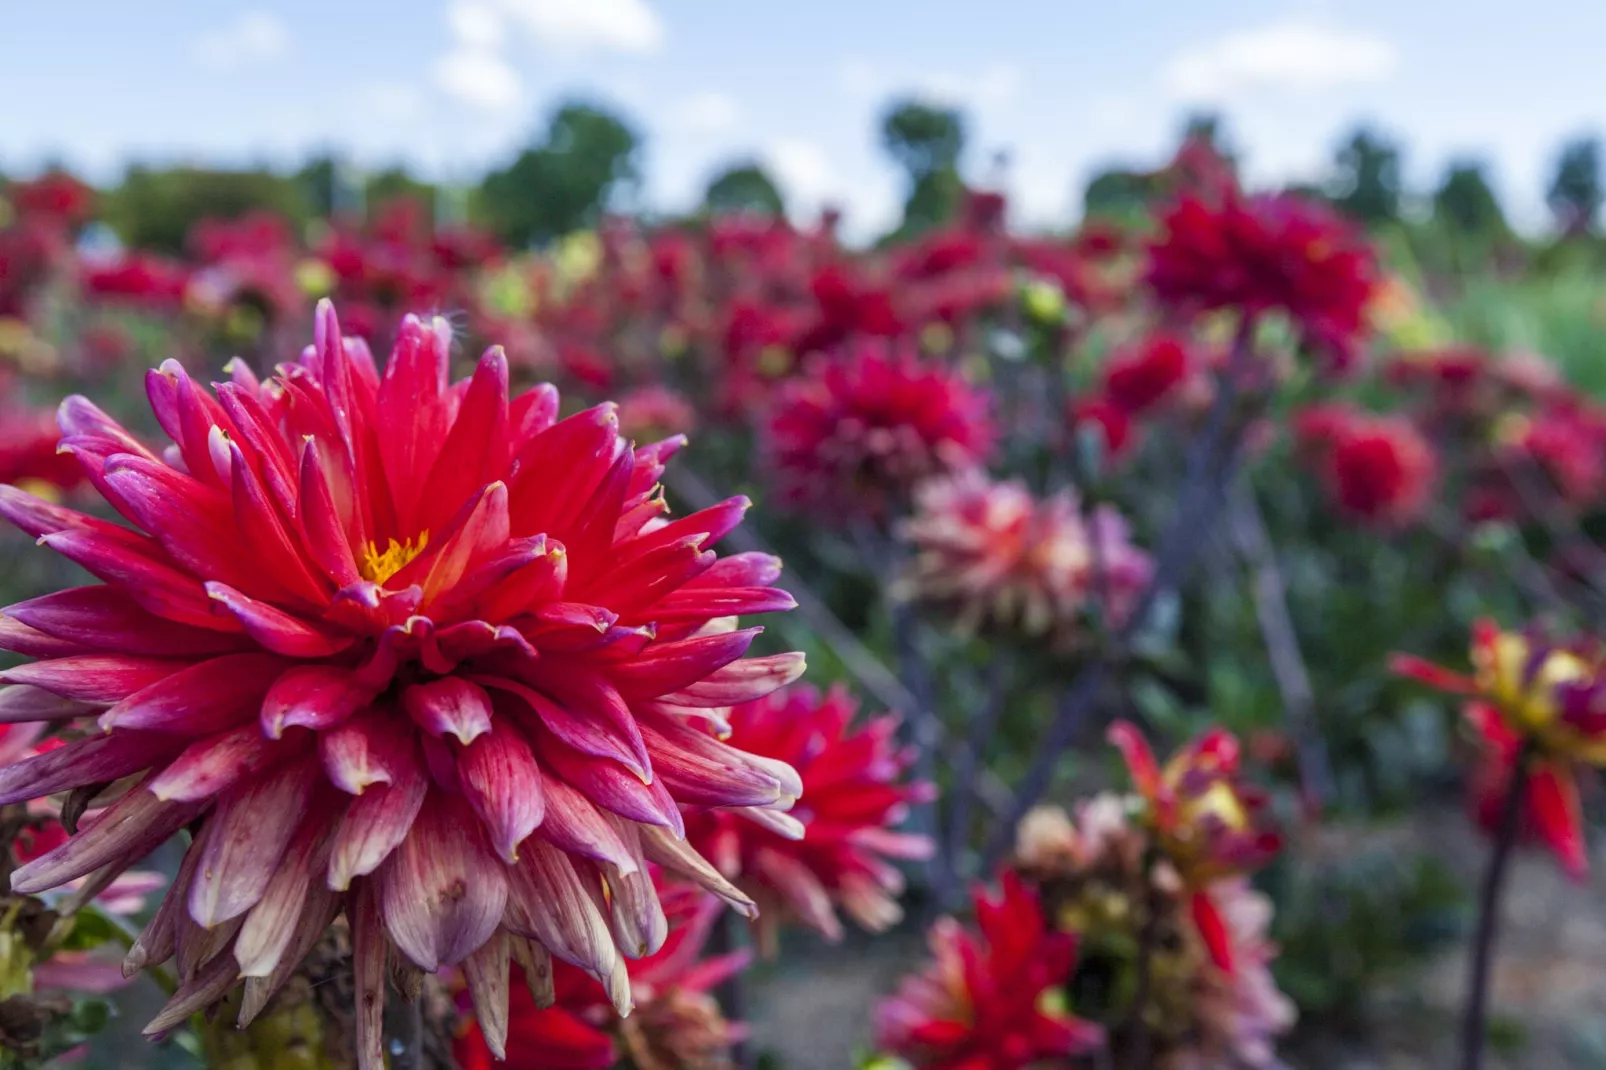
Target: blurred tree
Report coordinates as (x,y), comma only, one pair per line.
(1208,128)
(926,140)
(743,187)
(395,183)
(155,208)
(1366,181)
(1575,193)
(1466,203)
(317,181)
(564,183)
(1118,192)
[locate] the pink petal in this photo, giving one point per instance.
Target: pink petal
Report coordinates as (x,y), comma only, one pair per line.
(450,706)
(20,703)
(314,696)
(548,901)
(98,678)
(501,781)
(577,827)
(376,822)
(486,971)
(215,764)
(476,450)
(96,759)
(247,836)
(208,697)
(275,629)
(369,748)
(108,619)
(580,725)
(130,828)
(442,893)
(271,925)
(741,681)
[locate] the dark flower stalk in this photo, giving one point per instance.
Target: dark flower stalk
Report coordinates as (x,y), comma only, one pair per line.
(1475,1016)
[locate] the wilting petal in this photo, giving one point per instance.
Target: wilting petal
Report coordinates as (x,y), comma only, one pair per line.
(314,696)
(370,951)
(487,973)
(450,706)
(549,902)
(20,704)
(209,697)
(204,989)
(610,785)
(247,836)
(636,915)
(573,824)
(320,910)
(271,925)
(97,759)
(442,893)
(501,781)
(131,827)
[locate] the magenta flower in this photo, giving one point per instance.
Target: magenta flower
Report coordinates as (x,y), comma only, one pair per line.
(392,646)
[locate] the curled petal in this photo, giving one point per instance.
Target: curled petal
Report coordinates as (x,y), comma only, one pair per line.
(314,696)
(501,781)
(548,901)
(450,706)
(376,823)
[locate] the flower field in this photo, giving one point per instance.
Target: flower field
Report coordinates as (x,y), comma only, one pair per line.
(430,648)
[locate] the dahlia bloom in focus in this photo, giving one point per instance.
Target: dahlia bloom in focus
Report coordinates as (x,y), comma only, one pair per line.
(855,780)
(564,1020)
(391,646)
(999,558)
(987,1001)
(1264,254)
(1207,823)
(1534,701)
(1379,469)
(854,434)
(1091,873)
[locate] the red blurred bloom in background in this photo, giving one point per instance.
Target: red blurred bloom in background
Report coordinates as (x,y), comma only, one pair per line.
(854,433)
(857,787)
(1376,468)
(1141,376)
(986,1002)
(1267,253)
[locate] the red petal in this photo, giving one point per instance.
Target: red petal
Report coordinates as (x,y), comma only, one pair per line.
(1557,816)
(1126,738)
(314,696)
(442,893)
(275,629)
(450,706)
(1213,930)
(207,697)
(501,781)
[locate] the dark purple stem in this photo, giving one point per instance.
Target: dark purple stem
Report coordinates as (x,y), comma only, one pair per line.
(1473,1023)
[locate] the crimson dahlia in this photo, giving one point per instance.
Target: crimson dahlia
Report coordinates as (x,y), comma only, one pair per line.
(856,781)
(1263,254)
(392,646)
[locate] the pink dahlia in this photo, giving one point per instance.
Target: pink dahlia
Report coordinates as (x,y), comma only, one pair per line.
(998,558)
(858,791)
(392,646)
(854,434)
(1264,254)
(987,1001)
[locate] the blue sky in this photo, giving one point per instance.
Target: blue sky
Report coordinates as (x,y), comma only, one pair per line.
(1065,85)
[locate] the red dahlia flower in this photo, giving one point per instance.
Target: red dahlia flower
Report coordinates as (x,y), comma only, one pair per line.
(1263,254)
(564,1020)
(987,1000)
(1537,702)
(855,780)
(855,433)
(393,646)
(1377,468)
(1141,377)
(1207,822)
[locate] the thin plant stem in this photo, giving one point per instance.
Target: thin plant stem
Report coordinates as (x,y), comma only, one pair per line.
(1474,1020)
(963,791)
(1148,937)
(729,936)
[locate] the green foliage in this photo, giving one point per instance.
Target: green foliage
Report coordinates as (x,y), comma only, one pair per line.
(1366,182)
(1118,193)
(1466,202)
(743,187)
(565,181)
(395,183)
(926,141)
(155,208)
(1575,191)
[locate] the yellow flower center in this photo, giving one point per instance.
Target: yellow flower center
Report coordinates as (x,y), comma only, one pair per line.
(380,565)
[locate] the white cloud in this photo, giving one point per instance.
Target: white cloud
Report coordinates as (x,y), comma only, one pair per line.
(254,37)
(1290,56)
(586,25)
(476,24)
(391,103)
(479,78)
(707,112)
